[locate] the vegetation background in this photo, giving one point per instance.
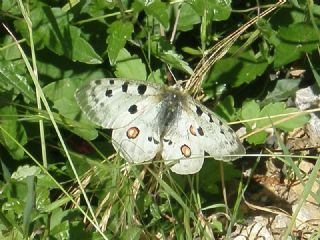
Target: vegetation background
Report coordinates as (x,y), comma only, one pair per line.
(60,178)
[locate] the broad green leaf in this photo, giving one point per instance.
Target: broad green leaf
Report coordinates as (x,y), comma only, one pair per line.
(236,70)
(64,88)
(280,108)
(119,33)
(156,76)
(10,7)
(82,51)
(97,7)
(295,40)
(215,10)
(25,171)
(61,93)
(10,123)
(12,76)
(166,53)
(188,18)
(257,138)
(9,52)
(132,232)
(226,109)
(284,88)
(52,29)
(251,110)
(130,67)
(159,10)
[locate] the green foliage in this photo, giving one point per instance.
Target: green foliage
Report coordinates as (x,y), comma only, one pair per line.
(263,118)
(68,45)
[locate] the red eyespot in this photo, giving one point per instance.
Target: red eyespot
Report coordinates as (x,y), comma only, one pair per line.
(192,130)
(185,150)
(133,132)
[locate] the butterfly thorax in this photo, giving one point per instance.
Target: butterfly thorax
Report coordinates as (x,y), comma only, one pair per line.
(171,106)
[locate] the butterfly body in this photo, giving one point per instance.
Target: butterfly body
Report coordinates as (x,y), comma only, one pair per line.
(149,119)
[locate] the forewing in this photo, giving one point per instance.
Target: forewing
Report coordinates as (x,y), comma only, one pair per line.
(114,103)
(182,148)
(139,141)
(219,140)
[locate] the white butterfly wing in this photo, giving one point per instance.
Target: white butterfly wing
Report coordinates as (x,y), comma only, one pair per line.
(114,103)
(183,147)
(219,140)
(139,141)
(132,108)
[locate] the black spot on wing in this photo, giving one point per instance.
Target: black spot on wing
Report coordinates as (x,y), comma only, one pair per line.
(199,111)
(111,81)
(97,82)
(230,131)
(133,109)
(168,141)
(109,93)
(142,89)
(200,131)
(154,140)
(210,118)
(125,87)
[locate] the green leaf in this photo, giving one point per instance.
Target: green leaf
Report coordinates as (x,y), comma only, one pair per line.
(280,108)
(130,67)
(10,7)
(61,93)
(9,122)
(52,29)
(25,171)
(295,40)
(93,7)
(236,70)
(132,232)
(251,110)
(82,51)
(119,33)
(12,77)
(159,10)
(9,53)
(156,76)
(214,9)
(284,88)
(166,53)
(188,18)
(226,108)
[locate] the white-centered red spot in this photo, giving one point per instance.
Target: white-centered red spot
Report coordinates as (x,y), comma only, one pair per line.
(185,150)
(133,132)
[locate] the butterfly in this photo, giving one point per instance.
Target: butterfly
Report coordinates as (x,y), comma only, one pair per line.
(150,119)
